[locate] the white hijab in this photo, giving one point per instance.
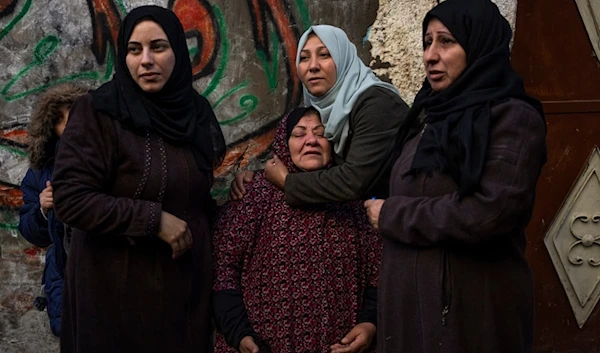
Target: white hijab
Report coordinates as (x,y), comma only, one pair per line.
(353,78)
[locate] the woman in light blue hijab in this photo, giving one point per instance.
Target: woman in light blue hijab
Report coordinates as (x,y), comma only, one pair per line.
(361,115)
(353,78)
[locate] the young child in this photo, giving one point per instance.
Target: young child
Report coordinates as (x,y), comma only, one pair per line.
(37,223)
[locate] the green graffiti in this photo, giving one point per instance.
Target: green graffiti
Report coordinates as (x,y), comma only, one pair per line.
(225,53)
(248,103)
(14,150)
(193,51)
(9,226)
(15,20)
(304,14)
(110,60)
(230,92)
(271,68)
(42,51)
(122,7)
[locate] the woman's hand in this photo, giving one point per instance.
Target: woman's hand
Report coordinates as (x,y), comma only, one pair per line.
(175,232)
(46,199)
(373,209)
(247,345)
(276,172)
(358,340)
(238,190)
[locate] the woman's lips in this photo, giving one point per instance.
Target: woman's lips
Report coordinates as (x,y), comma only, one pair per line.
(435,75)
(149,75)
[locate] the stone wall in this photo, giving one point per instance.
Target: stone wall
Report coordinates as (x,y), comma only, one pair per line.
(397,45)
(243,55)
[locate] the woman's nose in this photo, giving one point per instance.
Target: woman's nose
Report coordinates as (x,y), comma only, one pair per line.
(431,54)
(313,64)
(311,139)
(147,57)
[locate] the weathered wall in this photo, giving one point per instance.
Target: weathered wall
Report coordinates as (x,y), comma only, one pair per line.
(243,55)
(397,45)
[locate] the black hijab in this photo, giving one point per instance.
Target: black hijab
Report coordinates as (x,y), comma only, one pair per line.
(459,118)
(177,112)
(294,117)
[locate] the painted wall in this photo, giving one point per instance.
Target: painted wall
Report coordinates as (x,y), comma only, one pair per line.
(243,55)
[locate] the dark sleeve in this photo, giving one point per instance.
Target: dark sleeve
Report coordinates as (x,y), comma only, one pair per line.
(32,224)
(369,311)
(84,173)
(506,198)
(379,113)
(231,317)
(371,247)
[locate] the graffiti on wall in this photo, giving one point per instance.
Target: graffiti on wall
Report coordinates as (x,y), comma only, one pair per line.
(274,32)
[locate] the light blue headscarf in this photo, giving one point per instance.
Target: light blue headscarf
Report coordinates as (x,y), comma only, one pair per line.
(353,78)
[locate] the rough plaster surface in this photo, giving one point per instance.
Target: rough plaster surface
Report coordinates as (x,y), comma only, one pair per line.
(45,41)
(396,41)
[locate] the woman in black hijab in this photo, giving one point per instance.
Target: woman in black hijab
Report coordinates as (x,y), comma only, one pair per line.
(454,277)
(133,175)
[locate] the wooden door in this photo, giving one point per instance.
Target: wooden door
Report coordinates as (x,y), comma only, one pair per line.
(554,55)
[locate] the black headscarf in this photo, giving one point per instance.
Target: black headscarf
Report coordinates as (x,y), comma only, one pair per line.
(177,112)
(294,117)
(459,118)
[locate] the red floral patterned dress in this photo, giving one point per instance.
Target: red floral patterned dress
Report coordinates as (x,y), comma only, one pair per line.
(303,272)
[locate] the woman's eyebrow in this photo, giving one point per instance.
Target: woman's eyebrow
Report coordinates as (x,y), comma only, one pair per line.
(153,41)
(317,48)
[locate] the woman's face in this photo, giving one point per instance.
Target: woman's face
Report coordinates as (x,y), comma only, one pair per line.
(443,57)
(309,149)
(316,67)
(150,58)
(59,128)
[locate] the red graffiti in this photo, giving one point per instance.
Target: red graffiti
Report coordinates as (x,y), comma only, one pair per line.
(199,24)
(33,251)
(7,7)
(106,21)
(19,136)
(240,155)
(285,26)
(10,197)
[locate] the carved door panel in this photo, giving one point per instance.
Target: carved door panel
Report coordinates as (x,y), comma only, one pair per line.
(553,52)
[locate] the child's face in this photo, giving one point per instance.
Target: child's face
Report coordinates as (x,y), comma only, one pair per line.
(59,128)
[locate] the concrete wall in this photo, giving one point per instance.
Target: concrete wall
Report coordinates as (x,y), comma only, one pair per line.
(243,57)
(397,43)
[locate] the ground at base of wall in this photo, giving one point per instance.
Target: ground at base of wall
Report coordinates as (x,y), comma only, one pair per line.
(30,334)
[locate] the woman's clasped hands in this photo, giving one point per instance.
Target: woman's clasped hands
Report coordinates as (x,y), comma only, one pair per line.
(176,233)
